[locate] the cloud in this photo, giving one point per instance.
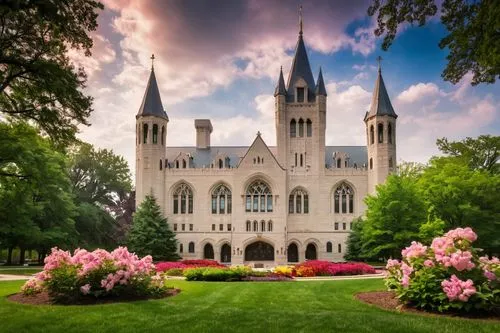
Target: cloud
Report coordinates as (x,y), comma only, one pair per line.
(419,91)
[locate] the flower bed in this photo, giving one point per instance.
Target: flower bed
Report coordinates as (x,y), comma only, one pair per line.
(448,275)
(324,268)
(175,268)
(69,278)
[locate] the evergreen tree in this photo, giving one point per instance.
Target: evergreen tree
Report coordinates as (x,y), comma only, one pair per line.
(150,233)
(354,241)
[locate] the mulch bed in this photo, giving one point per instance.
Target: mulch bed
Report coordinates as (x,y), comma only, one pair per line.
(43,298)
(387,300)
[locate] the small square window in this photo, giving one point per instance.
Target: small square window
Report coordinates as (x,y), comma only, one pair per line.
(221,227)
(229,227)
(175,226)
(183,226)
(213,227)
(190,227)
(300,95)
(344,226)
(336,226)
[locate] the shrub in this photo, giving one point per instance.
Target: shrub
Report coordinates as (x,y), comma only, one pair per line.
(99,273)
(183,264)
(447,275)
(174,272)
(217,274)
(326,268)
(285,270)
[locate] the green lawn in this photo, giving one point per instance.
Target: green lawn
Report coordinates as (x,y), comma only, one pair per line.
(327,306)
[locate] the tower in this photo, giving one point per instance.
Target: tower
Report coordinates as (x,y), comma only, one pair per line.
(300,112)
(151,140)
(380,124)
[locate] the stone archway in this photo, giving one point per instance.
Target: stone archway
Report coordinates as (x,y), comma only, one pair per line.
(259,251)
(225,253)
(293,253)
(311,253)
(208,251)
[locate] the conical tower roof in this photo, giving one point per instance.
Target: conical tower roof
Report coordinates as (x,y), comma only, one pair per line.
(381,104)
(280,87)
(151,103)
(320,86)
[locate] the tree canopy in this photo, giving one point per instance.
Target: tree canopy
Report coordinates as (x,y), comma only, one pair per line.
(37,80)
(473,37)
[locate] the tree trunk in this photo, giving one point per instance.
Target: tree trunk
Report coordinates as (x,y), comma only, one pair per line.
(22,255)
(9,256)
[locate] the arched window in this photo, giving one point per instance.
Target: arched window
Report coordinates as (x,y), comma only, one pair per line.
(343,199)
(298,202)
(296,159)
(177,164)
(255,226)
(329,247)
(163,135)
(380,132)
(145,133)
(155,133)
(301,127)
(262,225)
(183,199)
(340,248)
(221,164)
(249,226)
(270,226)
(372,135)
(339,163)
(259,197)
(191,247)
(309,128)
(184,164)
(301,160)
(160,164)
(221,200)
(181,248)
(371,163)
(389,133)
(293,128)
(258,159)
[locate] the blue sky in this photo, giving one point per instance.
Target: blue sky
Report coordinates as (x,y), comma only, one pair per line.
(221,60)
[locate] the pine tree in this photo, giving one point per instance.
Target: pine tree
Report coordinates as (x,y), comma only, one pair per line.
(150,233)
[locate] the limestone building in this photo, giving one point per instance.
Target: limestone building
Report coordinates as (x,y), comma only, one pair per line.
(265,205)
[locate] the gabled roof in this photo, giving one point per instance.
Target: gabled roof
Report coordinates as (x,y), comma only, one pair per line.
(300,69)
(381,104)
(320,86)
(151,103)
(280,87)
(259,140)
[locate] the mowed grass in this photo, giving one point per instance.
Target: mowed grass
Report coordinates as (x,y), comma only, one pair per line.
(326,306)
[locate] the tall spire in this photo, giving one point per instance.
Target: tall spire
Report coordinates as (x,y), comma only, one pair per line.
(320,86)
(280,87)
(381,104)
(300,66)
(151,103)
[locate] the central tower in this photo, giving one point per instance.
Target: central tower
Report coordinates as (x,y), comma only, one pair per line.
(300,113)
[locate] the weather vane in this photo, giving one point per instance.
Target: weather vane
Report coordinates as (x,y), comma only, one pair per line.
(300,19)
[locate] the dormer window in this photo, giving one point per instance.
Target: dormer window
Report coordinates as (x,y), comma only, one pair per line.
(300,95)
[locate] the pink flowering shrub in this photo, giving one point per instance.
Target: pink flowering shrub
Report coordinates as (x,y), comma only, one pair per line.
(447,275)
(326,268)
(98,273)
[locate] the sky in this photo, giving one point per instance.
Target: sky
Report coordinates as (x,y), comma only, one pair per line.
(221,59)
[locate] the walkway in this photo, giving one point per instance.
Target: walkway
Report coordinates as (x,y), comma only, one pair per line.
(9,277)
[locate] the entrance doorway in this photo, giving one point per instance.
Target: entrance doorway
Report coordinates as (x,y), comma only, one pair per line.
(225,253)
(311,252)
(208,251)
(259,251)
(293,253)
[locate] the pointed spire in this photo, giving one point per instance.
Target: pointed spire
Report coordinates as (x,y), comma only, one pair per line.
(151,103)
(152,62)
(381,104)
(320,86)
(300,66)
(280,88)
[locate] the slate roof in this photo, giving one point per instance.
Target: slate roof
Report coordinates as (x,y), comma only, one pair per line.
(381,104)
(204,157)
(320,86)
(151,102)
(300,68)
(280,87)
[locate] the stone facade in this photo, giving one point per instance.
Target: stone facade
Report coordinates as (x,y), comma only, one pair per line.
(266,205)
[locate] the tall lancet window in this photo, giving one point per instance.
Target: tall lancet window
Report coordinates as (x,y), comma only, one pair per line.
(389,133)
(372,135)
(343,199)
(259,197)
(155,133)
(301,127)
(293,128)
(380,133)
(298,202)
(183,199)
(221,200)
(300,95)
(309,127)
(145,133)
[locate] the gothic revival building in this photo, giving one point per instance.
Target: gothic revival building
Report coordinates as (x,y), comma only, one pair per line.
(266,205)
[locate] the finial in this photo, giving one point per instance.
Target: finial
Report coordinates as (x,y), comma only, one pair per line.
(152,61)
(379,60)
(258,133)
(300,20)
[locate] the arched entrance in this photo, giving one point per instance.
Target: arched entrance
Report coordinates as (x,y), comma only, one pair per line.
(259,251)
(225,253)
(208,251)
(311,252)
(293,253)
